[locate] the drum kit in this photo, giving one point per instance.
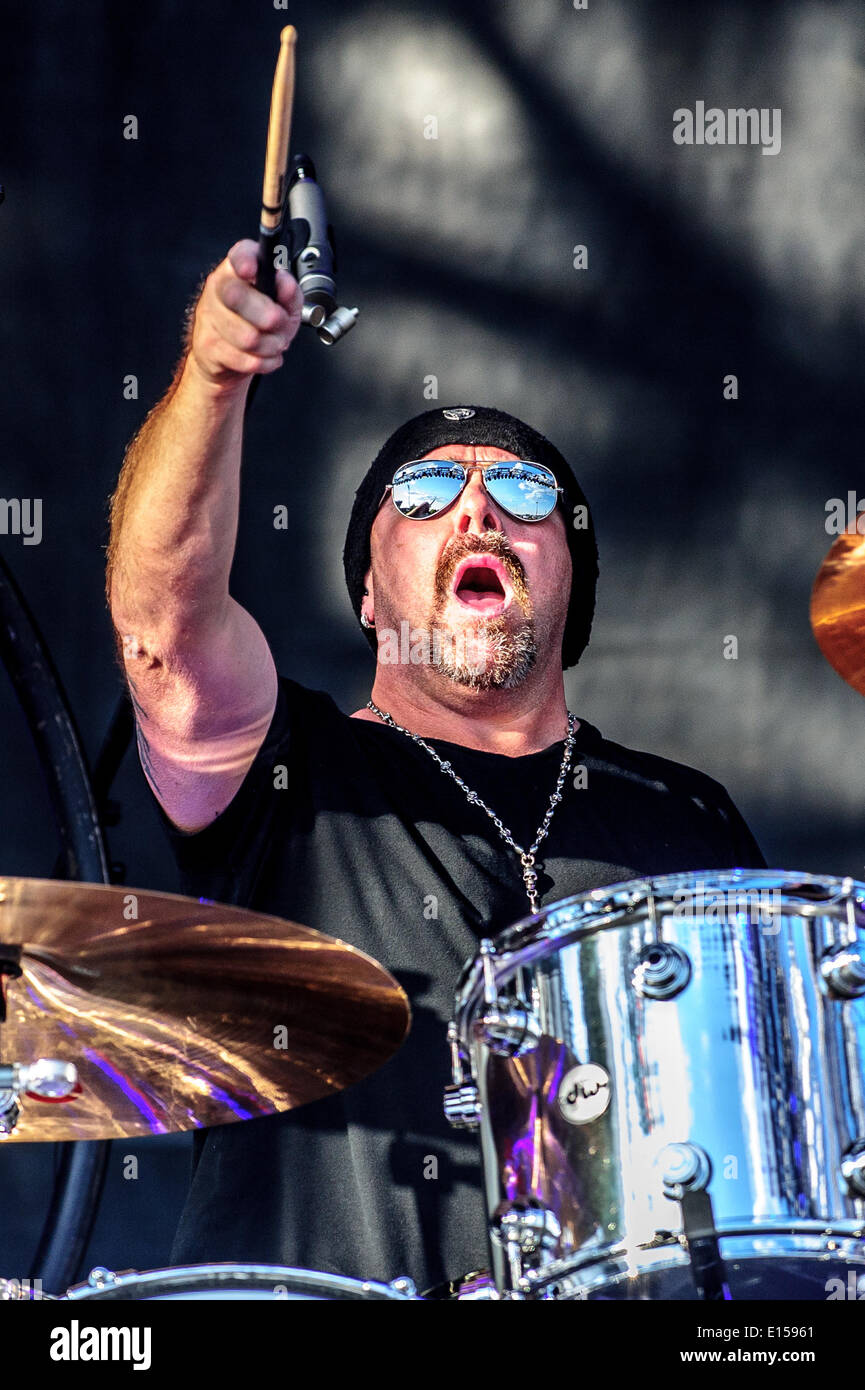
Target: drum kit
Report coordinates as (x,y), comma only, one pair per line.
(667,1077)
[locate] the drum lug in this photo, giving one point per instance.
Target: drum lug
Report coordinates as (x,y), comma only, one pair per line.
(507,1027)
(844,973)
(524,1228)
(404,1285)
(462,1106)
(510,1030)
(684,1168)
(853,1168)
(528,1225)
(530,1228)
(101,1278)
(662,971)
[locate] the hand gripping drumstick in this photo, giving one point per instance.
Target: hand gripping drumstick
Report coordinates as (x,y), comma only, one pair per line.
(276,161)
(310,236)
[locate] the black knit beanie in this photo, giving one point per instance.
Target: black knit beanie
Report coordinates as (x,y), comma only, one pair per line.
(478,424)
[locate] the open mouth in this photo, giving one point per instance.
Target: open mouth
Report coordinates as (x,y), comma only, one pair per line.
(481,583)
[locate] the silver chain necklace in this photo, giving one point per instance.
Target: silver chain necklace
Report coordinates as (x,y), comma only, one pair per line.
(527,856)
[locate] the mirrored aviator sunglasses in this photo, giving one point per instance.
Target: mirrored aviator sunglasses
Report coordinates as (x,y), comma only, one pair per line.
(424,488)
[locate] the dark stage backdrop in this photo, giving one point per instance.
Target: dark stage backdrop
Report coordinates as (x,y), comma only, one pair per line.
(467,150)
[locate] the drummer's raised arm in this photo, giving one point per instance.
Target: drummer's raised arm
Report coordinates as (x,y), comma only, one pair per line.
(200,672)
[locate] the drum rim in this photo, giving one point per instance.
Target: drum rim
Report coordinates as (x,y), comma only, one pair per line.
(199,1277)
(615,905)
(806,1241)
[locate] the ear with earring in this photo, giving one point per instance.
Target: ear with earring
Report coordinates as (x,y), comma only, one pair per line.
(364,620)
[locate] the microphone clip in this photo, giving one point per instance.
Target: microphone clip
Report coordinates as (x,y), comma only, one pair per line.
(312,251)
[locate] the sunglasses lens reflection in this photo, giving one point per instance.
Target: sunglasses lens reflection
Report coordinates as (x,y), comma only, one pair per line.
(421,491)
(527,493)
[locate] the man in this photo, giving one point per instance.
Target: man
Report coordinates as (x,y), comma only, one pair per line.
(461,798)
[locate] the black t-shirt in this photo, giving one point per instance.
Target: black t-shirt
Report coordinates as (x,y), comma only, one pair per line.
(350,827)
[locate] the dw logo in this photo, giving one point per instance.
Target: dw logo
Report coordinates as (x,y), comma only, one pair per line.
(584,1093)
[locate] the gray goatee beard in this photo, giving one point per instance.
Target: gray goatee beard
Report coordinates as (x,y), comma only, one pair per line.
(505,660)
(487,654)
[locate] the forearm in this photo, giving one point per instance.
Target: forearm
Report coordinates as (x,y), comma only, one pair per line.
(174,514)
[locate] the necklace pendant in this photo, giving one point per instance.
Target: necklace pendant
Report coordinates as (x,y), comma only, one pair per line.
(527,857)
(530,880)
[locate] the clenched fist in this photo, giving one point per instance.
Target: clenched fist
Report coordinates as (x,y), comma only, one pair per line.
(237,331)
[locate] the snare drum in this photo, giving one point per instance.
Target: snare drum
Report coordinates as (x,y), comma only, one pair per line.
(668,1078)
(235,1282)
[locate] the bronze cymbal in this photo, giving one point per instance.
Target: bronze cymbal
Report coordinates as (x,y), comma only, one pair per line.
(179,1013)
(838,608)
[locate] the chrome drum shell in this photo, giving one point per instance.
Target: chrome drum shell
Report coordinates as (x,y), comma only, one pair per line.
(707,1026)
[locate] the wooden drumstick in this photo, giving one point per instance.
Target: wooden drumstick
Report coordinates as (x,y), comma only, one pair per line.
(276,160)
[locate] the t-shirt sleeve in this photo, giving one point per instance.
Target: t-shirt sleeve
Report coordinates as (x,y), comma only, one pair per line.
(223,860)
